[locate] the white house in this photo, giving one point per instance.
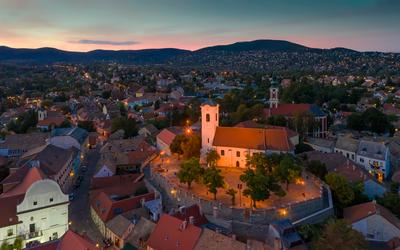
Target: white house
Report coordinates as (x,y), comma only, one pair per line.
(374,221)
(375,157)
(36,210)
(233,144)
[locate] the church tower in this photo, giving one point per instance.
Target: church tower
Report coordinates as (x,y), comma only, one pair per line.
(42,114)
(274,94)
(209,124)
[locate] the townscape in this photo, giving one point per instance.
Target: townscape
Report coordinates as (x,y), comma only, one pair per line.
(258,145)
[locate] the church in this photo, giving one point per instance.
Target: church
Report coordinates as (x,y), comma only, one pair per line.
(233,144)
(289,110)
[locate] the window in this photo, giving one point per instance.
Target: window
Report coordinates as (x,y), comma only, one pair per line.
(207,117)
(10,232)
(237,164)
(352,156)
(237,153)
(222,152)
(347,155)
(51,199)
(35,203)
(362,160)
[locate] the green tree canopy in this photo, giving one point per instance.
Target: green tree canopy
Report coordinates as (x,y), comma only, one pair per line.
(129,126)
(212,158)
(213,180)
(287,170)
(341,189)
(190,171)
(339,235)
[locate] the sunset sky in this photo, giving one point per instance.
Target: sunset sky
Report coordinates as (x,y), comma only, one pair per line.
(84,25)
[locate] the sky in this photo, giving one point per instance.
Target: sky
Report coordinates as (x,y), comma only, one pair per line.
(83,25)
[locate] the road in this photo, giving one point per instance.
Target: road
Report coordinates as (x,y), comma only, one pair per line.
(79,208)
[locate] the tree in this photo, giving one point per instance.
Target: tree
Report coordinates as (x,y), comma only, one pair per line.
(213,180)
(391,201)
(17,244)
(232,193)
(212,158)
(190,171)
(259,179)
(337,234)
(5,246)
(177,143)
(341,189)
(317,168)
(87,125)
(277,120)
(287,171)
(128,125)
(304,122)
(191,148)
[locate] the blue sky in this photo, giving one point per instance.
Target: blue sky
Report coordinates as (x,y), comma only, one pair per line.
(191,24)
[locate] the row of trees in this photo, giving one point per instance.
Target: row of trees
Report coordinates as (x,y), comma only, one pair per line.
(186,145)
(372,120)
(264,175)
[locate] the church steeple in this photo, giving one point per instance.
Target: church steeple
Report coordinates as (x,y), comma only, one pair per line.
(274,94)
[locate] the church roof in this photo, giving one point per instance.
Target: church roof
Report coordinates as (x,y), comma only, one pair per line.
(253,138)
(290,109)
(34,174)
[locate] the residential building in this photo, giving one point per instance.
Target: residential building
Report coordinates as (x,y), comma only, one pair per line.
(70,240)
(374,221)
(35,209)
(346,146)
(17,144)
(375,157)
(171,233)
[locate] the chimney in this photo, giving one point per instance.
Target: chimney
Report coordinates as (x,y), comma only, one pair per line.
(191,220)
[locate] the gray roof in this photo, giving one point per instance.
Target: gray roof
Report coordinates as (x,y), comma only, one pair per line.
(347,143)
(321,142)
(371,149)
(118,225)
(141,231)
(78,133)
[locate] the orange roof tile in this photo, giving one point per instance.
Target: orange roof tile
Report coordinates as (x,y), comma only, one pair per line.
(253,138)
(34,174)
(361,211)
(170,235)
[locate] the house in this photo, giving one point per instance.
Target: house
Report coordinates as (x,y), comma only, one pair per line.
(35,209)
(140,234)
(192,215)
(70,240)
(165,138)
(112,196)
(17,144)
(374,221)
(48,120)
(375,157)
(118,230)
(56,163)
(290,110)
(346,146)
(233,144)
(321,144)
(337,163)
(217,241)
(69,137)
(148,130)
(171,233)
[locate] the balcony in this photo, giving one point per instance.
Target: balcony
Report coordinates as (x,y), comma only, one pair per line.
(32,235)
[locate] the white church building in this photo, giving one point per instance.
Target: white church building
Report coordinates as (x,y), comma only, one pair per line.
(34,210)
(233,144)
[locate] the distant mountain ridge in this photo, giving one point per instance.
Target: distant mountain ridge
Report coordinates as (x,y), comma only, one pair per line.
(148,56)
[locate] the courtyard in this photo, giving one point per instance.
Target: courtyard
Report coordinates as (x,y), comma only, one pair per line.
(303,189)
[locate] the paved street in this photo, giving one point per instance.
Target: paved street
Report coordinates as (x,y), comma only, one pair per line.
(79,212)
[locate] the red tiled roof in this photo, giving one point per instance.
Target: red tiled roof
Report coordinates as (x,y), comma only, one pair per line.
(34,174)
(170,235)
(102,182)
(253,138)
(70,240)
(358,212)
(167,136)
(55,120)
(288,109)
(187,212)
(8,208)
